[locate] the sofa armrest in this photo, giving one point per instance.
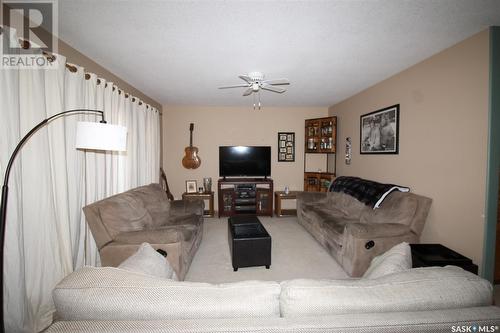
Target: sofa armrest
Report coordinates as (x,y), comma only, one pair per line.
(115,253)
(183,207)
(304,198)
(376,230)
(364,241)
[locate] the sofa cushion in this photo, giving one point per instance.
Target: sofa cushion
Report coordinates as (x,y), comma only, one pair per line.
(107,293)
(397,259)
(398,207)
(187,219)
(379,230)
(316,212)
(418,289)
(155,201)
(349,206)
(147,261)
(157,236)
(124,212)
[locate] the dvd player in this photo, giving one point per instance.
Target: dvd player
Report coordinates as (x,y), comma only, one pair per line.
(244,200)
(245,207)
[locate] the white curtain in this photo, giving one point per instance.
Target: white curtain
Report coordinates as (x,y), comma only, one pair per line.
(46,234)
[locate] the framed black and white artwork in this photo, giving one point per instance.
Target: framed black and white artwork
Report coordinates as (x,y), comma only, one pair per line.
(379,131)
(286,147)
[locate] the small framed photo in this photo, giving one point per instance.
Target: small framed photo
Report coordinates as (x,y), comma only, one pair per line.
(191,186)
(286,144)
(379,131)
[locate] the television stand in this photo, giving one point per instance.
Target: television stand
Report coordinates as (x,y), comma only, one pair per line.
(245,196)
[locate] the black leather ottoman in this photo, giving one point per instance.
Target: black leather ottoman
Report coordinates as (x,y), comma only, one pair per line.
(249,242)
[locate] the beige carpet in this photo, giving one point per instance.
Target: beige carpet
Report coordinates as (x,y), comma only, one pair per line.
(295,254)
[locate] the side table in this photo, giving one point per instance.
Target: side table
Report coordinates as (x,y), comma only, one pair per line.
(281,195)
(204,196)
(424,255)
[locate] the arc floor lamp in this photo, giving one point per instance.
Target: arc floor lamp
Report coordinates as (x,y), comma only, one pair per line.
(89,135)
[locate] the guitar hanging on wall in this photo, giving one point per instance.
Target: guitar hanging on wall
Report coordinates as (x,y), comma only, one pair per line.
(191,160)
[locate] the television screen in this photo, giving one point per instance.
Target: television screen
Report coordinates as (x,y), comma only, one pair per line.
(238,161)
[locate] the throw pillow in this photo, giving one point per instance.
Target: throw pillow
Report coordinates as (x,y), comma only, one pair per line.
(147,261)
(397,259)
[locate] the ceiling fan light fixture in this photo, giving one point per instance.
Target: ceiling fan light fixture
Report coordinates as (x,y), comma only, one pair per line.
(254,83)
(256,76)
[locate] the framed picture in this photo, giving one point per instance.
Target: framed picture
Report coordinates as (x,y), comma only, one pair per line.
(191,186)
(379,131)
(286,144)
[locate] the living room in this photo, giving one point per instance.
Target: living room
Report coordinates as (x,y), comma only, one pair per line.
(434,60)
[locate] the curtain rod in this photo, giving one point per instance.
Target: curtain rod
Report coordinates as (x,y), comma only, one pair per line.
(25,44)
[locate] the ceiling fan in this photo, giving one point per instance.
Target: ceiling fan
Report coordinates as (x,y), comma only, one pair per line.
(254,82)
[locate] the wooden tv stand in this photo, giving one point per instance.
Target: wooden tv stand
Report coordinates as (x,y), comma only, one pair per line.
(245,196)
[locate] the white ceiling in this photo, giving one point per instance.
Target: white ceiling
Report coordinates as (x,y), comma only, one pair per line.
(179,52)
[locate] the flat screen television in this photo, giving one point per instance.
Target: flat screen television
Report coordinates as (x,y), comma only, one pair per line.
(244,161)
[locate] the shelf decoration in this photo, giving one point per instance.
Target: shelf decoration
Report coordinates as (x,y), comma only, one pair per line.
(320,138)
(191,186)
(286,146)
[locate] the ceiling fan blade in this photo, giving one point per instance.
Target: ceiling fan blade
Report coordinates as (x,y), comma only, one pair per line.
(245,78)
(269,87)
(235,86)
(277,82)
(248,91)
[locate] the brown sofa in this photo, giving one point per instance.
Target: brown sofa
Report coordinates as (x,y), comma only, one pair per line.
(354,233)
(122,222)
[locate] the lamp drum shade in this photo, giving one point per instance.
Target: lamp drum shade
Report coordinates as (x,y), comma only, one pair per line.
(99,136)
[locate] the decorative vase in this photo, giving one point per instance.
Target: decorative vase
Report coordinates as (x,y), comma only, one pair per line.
(207,183)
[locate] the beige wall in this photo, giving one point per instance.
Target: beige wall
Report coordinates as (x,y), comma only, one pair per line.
(443,139)
(218,126)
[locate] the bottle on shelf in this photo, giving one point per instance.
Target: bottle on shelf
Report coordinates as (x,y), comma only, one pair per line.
(310,143)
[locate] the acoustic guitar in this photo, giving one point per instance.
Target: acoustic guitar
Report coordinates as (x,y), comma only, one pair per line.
(191,160)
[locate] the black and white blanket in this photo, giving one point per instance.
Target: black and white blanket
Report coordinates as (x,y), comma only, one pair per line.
(368,192)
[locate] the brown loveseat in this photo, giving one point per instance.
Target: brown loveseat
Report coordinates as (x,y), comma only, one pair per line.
(122,222)
(354,233)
